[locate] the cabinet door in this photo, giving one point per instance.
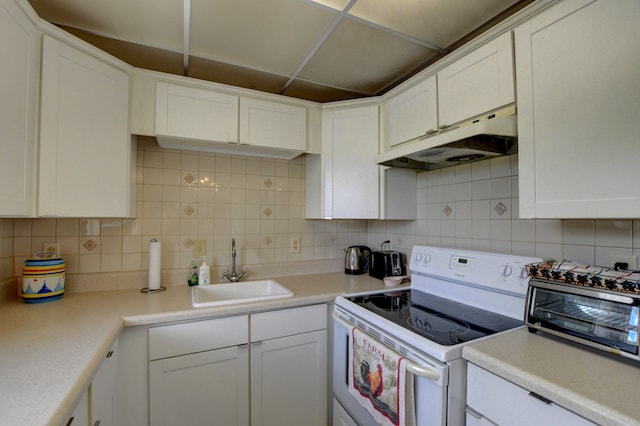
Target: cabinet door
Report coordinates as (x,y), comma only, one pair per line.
(579,111)
(80,415)
(413,113)
(289,380)
(103,389)
(477,83)
(273,125)
(18,86)
(349,149)
(193,113)
(86,152)
(505,403)
(200,389)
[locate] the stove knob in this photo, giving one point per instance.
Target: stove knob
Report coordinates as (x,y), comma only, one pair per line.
(419,257)
(523,273)
(427,258)
(506,270)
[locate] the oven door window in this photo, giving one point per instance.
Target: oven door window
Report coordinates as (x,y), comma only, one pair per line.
(611,323)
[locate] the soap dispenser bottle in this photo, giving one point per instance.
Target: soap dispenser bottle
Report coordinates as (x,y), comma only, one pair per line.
(204,273)
(192,279)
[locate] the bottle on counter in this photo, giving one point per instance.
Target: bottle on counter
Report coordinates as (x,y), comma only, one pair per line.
(204,273)
(192,279)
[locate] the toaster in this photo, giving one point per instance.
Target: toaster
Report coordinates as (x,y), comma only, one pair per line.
(386,264)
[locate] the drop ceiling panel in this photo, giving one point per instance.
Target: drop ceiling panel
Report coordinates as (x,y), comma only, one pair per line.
(273,35)
(357,57)
(148,22)
(433,21)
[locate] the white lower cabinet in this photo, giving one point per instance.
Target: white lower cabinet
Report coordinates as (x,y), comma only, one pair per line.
(198,373)
(80,415)
(102,389)
(494,400)
(289,371)
(206,373)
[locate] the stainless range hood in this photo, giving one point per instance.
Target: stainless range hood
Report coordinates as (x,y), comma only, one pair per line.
(479,140)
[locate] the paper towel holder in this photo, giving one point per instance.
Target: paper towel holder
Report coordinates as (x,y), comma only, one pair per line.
(154,290)
(149,290)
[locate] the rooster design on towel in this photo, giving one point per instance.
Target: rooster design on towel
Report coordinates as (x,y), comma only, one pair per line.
(373,378)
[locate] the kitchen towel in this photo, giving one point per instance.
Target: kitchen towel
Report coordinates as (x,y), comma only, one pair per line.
(378,379)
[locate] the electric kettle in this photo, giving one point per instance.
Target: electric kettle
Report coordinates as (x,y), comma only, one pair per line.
(356,260)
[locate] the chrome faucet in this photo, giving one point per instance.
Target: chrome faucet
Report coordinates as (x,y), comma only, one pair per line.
(233,276)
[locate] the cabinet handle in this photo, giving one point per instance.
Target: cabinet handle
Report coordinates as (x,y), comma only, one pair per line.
(540,398)
(71,419)
(97,423)
(109,354)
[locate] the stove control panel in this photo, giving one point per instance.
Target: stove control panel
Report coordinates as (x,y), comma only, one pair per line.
(505,273)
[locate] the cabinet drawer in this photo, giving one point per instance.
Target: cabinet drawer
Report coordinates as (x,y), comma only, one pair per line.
(198,336)
(286,322)
(503,402)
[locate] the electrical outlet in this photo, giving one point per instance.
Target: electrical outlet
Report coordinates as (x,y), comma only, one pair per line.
(295,244)
(54,247)
(199,248)
(630,260)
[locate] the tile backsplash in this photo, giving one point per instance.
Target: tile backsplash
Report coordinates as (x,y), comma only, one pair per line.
(185,196)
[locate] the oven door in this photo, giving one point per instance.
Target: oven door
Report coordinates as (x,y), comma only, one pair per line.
(430,382)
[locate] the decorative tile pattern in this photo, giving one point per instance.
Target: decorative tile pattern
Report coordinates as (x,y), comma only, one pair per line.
(267,212)
(188,243)
(90,245)
(267,241)
(189,178)
(189,210)
(447,211)
(268,183)
(500,209)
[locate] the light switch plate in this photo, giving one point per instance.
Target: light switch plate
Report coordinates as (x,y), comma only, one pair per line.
(199,248)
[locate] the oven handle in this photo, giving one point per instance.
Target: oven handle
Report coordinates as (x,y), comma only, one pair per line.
(415,369)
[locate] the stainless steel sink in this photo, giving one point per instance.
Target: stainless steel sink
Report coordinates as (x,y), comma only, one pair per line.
(240,292)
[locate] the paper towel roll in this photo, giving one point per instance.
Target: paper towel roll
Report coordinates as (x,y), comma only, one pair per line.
(154,264)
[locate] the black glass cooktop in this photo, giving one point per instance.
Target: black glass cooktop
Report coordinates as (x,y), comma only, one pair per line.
(440,320)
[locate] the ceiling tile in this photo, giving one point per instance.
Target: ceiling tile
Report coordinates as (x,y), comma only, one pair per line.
(149,22)
(437,22)
(273,36)
(236,76)
(360,58)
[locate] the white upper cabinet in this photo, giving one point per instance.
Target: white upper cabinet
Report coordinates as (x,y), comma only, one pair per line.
(271,124)
(480,82)
(87,156)
(203,119)
(198,114)
(342,183)
(20,52)
(577,67)
(413,112)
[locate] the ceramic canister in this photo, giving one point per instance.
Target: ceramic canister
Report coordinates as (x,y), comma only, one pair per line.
(43,278)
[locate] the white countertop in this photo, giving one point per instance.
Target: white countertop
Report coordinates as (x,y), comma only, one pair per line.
(50,351)
(596,385)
